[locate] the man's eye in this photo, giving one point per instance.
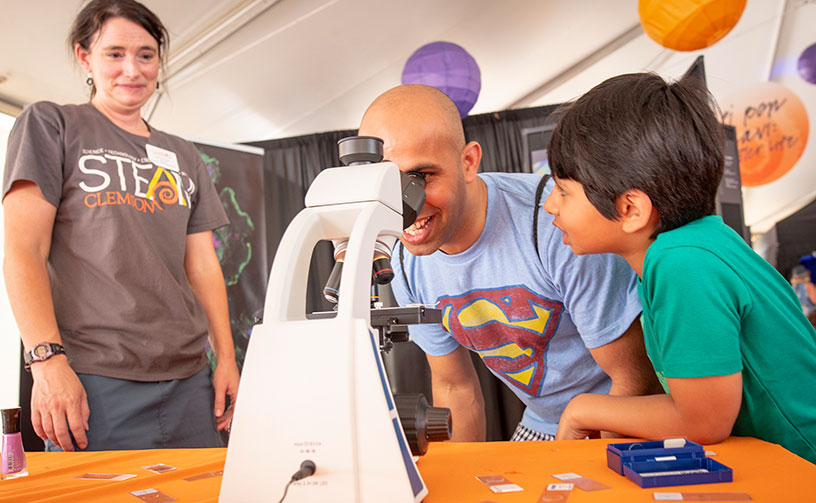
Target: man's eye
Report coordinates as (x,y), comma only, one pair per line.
(418,174)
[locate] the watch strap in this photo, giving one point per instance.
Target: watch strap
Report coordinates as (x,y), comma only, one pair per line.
(42,352)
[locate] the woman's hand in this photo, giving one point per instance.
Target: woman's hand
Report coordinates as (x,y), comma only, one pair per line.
(225,382)
(59,404)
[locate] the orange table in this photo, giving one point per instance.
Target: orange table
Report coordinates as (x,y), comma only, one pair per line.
(766,471)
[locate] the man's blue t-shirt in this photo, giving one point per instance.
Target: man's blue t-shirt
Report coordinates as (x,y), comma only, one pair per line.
(531,318)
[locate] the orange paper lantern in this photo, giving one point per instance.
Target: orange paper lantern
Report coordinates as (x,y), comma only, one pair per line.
(689,25)
(772,130)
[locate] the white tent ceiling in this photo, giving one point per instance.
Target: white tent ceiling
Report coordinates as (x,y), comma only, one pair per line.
(289,67)
(244,70)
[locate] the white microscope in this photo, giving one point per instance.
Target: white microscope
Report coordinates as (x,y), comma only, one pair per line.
(315,420)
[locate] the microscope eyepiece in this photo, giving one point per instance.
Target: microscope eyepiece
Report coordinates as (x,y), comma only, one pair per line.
(362,150)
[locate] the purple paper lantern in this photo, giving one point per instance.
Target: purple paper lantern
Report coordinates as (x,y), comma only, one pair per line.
(807,64)
(449,68)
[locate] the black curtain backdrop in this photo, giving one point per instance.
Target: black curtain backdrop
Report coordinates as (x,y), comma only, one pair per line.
(795,237)
(501,136)
(290,166)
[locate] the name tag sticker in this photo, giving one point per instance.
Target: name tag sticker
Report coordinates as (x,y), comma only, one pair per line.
(162,158)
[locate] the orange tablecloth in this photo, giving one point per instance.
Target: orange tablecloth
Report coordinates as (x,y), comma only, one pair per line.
(765,471)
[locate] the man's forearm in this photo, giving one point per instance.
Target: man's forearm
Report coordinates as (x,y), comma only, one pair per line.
(642,381)
(628,366)
(467,412)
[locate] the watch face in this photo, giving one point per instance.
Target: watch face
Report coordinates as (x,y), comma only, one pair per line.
(40,351)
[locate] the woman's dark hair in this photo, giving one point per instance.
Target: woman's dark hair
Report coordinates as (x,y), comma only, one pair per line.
(637,131)
(93,16)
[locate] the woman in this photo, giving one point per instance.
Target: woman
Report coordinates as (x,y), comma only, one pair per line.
(109,261)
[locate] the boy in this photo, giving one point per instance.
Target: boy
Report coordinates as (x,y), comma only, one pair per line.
(637,163)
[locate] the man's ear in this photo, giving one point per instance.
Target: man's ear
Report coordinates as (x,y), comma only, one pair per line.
(636,211)
(471,158)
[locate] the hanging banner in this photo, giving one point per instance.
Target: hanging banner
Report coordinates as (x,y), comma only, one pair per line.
(237,172)
(772,131)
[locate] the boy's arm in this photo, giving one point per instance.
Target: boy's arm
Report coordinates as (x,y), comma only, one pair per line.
(701,409)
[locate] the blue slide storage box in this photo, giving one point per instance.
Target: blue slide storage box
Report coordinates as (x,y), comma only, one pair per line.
(636,460)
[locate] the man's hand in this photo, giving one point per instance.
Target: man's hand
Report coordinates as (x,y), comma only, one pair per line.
(225,382)
(569,427)
(59,403)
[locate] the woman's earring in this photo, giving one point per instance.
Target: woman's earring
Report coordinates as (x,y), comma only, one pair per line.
(89,80)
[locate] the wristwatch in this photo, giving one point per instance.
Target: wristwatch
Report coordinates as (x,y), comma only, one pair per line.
(42,352)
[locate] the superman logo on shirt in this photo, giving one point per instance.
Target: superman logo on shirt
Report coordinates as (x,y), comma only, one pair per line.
(509,327)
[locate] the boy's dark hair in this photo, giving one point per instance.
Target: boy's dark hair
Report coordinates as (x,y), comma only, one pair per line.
(637,131)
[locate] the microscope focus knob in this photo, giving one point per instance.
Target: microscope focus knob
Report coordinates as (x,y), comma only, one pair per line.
(421,422)
(438,424)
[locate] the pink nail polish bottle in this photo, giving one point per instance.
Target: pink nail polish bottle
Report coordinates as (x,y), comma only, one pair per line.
(12,457)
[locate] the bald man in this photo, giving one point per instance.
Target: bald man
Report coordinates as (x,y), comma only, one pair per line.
(551,325)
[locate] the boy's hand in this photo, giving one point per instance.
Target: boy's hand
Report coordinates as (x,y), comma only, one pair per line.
(702,409)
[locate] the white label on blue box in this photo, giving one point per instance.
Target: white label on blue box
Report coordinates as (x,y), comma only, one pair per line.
(674,472)
(665,458)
